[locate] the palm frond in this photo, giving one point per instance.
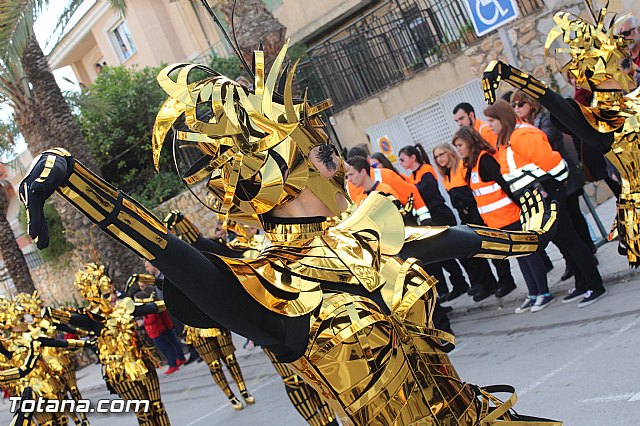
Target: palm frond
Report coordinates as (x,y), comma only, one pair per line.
(16,23)
(63,21)
(120,6)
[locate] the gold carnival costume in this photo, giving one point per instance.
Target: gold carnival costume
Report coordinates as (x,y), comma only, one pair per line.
(129,368)
(612,122)
(303,397)
(351,318)
(26,366)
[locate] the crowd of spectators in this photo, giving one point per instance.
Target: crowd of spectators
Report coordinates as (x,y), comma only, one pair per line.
(485,170)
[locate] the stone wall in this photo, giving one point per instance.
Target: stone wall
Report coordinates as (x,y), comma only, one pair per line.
(192,209)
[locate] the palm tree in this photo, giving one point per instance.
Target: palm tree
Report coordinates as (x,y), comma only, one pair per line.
(44,117)
(11,254)
(253,22)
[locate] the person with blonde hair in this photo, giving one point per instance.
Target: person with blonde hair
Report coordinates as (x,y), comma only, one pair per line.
(450,167)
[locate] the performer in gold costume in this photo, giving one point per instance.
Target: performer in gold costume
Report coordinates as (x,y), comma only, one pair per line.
(248,245)
(612,122)
(59,360)
(129,368)
(26,367)
(338,304)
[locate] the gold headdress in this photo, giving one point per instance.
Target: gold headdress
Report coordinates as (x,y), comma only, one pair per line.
(255,143)
(595,50)
(10,315)
(95,286)
(30,303)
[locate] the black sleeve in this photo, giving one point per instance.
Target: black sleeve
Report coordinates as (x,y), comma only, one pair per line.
(490,171)
(84,322)
(429,191)
(553,134)
(53,343)
(207,245)
(567,116)
(4,351)
(211,287)
(457,242)
(147,308)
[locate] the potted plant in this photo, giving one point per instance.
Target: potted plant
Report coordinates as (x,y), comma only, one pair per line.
(468,33)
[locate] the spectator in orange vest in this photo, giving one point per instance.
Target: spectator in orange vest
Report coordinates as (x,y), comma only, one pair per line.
(498,210)
(452,170)
(526,159)
(404,190)
(423,176)
(359,174)
(465,115)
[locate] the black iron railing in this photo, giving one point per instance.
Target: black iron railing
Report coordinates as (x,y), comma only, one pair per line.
(390,43)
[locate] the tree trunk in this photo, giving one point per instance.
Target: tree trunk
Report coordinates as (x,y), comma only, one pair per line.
(11,254)
(49,123)
(253,22)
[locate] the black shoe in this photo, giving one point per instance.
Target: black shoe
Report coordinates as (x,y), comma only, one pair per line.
(456,292)
(503,291)
(473,290)
(192,358)
(574,295)
(568,273)
(592,296)
(482,294)
(446,309)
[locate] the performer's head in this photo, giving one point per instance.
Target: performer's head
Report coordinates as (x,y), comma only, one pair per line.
(96,287)
(597,53)
(260,149)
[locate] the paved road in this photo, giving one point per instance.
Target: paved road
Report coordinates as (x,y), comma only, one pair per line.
(577,365)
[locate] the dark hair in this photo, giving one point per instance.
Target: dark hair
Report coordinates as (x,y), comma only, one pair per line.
(476,144)
(360,164)
(357,151)
(382,159)
(465,106)
(418,151)
(503,112)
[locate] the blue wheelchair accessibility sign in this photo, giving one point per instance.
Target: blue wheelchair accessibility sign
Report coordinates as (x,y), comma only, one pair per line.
(487,15)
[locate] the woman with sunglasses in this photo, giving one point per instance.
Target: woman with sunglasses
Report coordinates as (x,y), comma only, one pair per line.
(452,170)
(530,111)
(498,210)
(415,159)
(527,160)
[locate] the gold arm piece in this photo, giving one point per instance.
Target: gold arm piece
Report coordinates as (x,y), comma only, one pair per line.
(498,71)
(75,343)
(181,226)
(500,244)
(59,315)
(115,212)
(161,305)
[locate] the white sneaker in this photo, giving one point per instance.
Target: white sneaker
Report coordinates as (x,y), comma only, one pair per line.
(542,302)
(526,305)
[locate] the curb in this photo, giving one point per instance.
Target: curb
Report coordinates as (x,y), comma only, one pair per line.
(493,304)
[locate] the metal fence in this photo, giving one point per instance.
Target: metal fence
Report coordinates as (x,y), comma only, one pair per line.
(392,42)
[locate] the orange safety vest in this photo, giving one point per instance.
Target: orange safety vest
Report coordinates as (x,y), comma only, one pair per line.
(403,190)
(381,187)
(495,207)
(455,179)
(485,131)
(424,168)
(529,157)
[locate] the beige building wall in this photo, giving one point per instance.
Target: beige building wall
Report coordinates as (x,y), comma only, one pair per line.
(304,17)
(162,32)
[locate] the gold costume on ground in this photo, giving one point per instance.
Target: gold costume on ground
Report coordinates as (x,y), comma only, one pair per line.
(215,347)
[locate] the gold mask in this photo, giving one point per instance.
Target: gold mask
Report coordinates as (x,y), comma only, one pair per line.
(595,50)
(96,287)
(255,144)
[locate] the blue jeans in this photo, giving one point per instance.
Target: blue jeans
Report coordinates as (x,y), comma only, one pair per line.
(170,347)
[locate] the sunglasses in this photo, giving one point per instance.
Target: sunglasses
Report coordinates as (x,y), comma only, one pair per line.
(518,104)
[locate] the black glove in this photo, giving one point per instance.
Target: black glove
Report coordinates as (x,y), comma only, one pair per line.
(49,172)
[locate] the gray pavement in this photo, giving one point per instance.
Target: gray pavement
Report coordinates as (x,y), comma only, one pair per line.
(570,364)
